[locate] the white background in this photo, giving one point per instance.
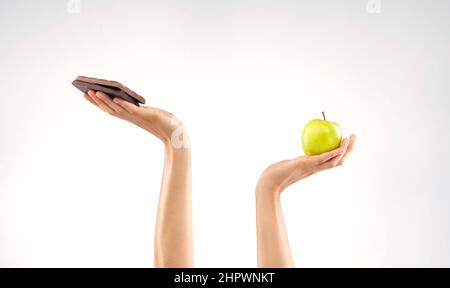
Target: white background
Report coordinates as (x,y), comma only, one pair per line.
(80,189)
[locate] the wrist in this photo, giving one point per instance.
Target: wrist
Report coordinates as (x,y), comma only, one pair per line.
(266,188)
(178,139)
(171,150)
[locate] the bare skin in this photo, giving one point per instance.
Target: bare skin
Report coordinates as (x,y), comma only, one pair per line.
(173,236)
(273,245)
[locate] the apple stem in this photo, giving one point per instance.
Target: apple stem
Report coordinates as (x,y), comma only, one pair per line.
(324,118)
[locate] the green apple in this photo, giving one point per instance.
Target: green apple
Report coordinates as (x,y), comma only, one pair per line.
(320,136)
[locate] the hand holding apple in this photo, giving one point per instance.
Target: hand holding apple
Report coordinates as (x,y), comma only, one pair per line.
(319,136)
(279,176)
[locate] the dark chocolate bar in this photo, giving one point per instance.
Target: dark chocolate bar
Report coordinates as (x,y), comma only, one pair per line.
(111,88)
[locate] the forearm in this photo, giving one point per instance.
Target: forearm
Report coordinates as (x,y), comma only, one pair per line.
(273,244)
(173,238)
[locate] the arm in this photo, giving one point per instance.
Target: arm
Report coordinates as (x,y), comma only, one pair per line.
(173,236)
(273,243)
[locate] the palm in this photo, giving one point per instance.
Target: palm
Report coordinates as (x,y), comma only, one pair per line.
(285,173)
(160,123)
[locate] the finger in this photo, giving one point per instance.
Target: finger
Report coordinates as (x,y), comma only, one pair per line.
(91,93)
(333,162)
(108,101)
(88,98)
(329,155)
(101,104)
(349,149)
(127,106)
(344,146)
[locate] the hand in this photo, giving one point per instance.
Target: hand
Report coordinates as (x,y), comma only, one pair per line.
(285,173)
(160,123)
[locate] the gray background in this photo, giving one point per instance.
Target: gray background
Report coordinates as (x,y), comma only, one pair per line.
(245,77)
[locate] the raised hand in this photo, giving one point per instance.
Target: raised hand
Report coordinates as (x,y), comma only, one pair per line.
(160,123)
(173,236)
(279,176)
(273,244)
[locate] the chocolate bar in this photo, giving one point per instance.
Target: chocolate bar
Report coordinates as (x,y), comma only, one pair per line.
(111,88)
